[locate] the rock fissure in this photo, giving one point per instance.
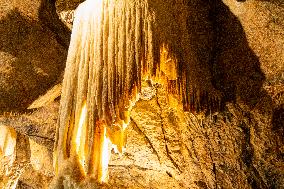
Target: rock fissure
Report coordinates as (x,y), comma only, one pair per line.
(147,139)
(168,152)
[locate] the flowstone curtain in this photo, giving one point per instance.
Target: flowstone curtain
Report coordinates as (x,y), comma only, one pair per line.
(115,44)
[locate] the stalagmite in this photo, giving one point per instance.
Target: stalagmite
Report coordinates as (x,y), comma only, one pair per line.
(115,44)
(7,141)
(8,138)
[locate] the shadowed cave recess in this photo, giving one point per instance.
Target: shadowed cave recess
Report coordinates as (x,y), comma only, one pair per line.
(141,94)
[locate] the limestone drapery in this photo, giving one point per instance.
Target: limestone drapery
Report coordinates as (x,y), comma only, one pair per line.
(115,44)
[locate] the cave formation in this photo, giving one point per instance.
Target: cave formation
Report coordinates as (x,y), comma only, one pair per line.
(115,45)
(190,77)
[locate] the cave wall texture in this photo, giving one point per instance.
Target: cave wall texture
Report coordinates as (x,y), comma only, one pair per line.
(241,146)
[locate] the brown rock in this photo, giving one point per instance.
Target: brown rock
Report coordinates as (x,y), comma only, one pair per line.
(31,56)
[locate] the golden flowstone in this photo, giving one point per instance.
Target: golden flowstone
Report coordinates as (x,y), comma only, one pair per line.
(115,44)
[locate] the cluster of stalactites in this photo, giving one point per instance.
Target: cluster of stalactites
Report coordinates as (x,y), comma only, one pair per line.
(113,49)
(110,48)
(115,44)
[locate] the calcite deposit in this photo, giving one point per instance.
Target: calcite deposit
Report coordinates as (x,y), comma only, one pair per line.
(240,145)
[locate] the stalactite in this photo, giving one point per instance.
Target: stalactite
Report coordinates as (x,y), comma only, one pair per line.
(115,44)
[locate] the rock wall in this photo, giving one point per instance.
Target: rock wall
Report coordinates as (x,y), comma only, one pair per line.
(32,56)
